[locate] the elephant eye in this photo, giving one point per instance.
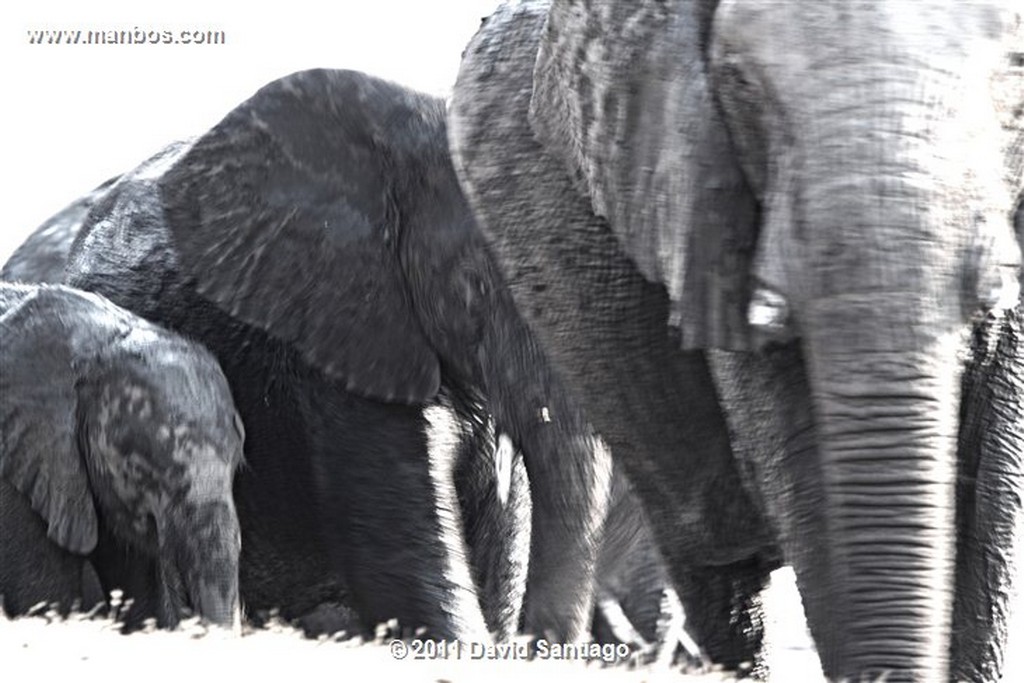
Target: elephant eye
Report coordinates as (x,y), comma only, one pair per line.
(1017,59)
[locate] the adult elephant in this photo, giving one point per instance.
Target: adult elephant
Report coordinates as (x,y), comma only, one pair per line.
(634,603)
(317,242)
(753,237)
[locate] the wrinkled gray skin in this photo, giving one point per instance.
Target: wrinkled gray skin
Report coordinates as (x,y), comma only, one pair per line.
(119,445)
(317,242)
(634,602)
(754,237)
(41,258)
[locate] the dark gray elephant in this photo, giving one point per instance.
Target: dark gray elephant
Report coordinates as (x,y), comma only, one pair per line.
(317,242)
(41,258)
(753,238)
(634,603)
(119,446)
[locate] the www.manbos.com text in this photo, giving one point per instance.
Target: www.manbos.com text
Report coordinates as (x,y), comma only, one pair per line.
(134,36)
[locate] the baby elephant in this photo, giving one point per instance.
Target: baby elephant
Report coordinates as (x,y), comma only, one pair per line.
(118,446)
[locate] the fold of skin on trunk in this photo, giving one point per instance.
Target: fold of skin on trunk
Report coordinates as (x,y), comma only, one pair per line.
(887,428)
(881,330)
(883,369)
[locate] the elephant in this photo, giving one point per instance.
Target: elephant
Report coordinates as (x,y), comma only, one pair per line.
(634,604)
(317,242)
(120,442)
(767,246)
(42,257)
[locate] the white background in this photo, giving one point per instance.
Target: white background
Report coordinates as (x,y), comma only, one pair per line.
(74,115)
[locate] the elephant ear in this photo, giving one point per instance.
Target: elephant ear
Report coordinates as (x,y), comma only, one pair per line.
(288,215)
(39,448)
(621,94)
(1008,92)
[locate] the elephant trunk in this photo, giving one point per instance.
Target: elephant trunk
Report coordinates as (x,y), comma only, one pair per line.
(887,427)
(203,557)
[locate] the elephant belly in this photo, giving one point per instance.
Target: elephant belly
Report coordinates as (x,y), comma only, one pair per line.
(285,561)
(388,512)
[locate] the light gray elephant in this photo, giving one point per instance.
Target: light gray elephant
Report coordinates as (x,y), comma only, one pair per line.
(118,449)
(754,238)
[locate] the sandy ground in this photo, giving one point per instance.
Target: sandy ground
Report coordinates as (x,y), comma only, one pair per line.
(91,650)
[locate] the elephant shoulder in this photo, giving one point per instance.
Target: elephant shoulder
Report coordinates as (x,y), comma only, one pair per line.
(123,250)
(43,256)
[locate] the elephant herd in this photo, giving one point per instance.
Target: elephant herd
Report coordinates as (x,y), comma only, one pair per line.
(373,486)
(671,293)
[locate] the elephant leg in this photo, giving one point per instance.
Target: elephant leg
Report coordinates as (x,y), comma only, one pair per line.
(284,565)
(766,400)
(35,570)
(136,575)
(389,515)
(705,524)
(635,603)
(667,431)
(990,489)
(496,514)
(724,613)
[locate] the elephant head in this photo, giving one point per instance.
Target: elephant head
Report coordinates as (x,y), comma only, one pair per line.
(712,135)
(835,178)
(113,425)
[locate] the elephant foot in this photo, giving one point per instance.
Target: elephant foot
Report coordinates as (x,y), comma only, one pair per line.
(725,616)
(330,619)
